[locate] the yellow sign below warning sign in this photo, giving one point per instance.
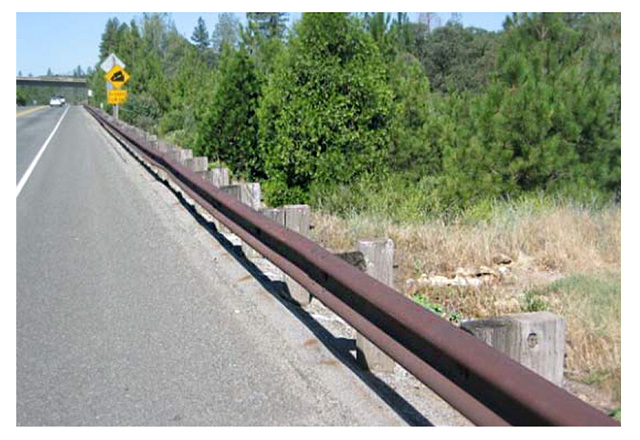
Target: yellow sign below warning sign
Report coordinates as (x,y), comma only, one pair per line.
(115,97)
(117,76)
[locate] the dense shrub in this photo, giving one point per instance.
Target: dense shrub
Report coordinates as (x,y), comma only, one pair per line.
(229,132)
(324,118)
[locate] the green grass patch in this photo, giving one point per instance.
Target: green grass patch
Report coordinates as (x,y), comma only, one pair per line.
(617,414)
(437,309)
(598,297)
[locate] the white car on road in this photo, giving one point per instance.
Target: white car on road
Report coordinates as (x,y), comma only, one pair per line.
(55,102)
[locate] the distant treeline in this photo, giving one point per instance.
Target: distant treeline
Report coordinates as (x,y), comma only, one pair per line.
(448,116)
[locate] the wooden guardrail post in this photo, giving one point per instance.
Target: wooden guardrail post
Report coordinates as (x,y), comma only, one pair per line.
(180,155)
(233,191)
(298,219)
(219,176)
(199,165)
(163,146)
(378,263)
(535,340)
(250,195)
(277,215)
(152,139)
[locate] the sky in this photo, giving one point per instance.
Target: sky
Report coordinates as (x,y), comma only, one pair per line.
(61,41)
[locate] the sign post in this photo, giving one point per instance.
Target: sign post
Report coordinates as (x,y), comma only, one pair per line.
(116,77)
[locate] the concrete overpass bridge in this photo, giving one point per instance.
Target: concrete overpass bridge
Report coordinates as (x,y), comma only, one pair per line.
(42,88)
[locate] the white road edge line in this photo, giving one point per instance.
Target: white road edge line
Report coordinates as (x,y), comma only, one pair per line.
(26,175)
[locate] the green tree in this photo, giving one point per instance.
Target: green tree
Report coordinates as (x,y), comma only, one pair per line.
(200,35)
(21,96)
(192,92)
(548,121)
(268,24)
(325,114)
(459,58)
(230,130)
(226,32)
(109,37)
(413,147)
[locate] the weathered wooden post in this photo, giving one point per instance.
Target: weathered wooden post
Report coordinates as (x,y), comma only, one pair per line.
(163,146)
(298,219)
(275,214)
(251,196)
(535,340)
(198,165)
(378,263)
(219,176)
(180,155)
(152,139)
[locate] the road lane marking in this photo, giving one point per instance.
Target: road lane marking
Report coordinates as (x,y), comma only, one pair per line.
(26,175)
(26,112)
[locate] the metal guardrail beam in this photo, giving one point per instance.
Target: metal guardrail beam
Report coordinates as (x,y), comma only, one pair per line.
(483,384)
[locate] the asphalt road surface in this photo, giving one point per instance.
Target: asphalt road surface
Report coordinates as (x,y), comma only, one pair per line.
(130,313)
(32,130)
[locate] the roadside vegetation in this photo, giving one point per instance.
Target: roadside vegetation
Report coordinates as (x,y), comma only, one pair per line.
(468,148)
(563,257)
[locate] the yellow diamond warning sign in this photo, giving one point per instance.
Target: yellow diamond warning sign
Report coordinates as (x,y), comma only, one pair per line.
(115,97)
(117,76)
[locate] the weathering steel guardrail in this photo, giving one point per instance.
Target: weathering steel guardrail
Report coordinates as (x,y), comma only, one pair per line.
(483,384)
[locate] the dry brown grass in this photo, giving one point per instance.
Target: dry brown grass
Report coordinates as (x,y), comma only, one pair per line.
(560,239)
(547,246)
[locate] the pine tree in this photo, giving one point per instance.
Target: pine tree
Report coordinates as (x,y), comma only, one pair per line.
(268,24)
(109,37)
(413,150)
(226,32)
(548,121)
(200,35)
(230,130)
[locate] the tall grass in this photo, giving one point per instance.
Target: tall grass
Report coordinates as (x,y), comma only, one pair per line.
(544,233)
(591,305)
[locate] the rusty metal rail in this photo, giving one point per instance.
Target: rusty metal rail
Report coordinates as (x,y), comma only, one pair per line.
(484,385)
